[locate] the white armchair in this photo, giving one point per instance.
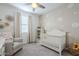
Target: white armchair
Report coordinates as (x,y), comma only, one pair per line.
(12,45)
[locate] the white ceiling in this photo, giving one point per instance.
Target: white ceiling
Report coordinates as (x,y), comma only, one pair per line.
(28,8)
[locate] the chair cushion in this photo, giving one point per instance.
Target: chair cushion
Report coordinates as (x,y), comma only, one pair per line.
(17,45)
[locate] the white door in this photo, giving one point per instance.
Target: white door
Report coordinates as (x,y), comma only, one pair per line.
(24,28)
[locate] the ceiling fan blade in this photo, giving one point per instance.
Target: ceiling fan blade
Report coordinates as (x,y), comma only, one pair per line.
(41,6)
(28,3)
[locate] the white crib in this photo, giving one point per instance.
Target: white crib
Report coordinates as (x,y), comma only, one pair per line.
(55,40)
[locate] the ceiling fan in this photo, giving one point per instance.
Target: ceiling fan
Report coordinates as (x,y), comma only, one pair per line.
(36,5)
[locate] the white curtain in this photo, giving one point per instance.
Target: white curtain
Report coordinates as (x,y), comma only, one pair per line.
(33,24)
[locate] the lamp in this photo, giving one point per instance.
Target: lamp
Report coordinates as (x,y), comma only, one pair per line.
(76,45)
(34,5)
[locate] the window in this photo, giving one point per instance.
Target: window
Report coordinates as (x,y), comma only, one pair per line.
(24,24)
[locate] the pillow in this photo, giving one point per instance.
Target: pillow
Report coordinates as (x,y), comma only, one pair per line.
(7,35)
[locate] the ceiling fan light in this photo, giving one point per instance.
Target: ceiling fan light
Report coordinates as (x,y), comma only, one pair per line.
(34,5)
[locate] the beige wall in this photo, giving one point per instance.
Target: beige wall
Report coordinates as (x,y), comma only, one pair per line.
(6,9)
(66,18)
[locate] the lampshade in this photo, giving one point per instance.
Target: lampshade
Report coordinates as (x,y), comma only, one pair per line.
(34,5)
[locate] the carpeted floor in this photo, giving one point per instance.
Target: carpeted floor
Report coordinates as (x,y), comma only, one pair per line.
(35,49)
